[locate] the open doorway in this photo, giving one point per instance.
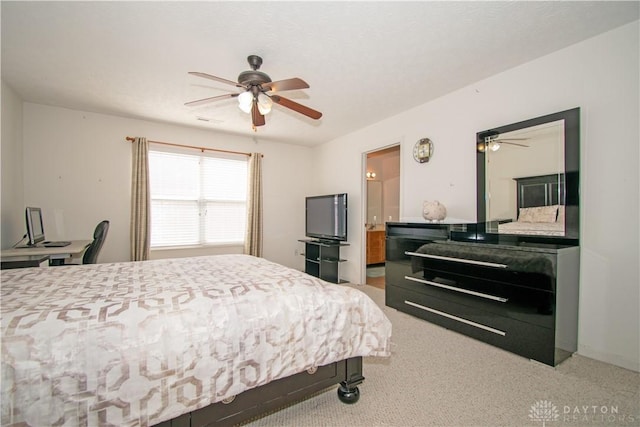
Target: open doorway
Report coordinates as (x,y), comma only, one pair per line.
(382,202)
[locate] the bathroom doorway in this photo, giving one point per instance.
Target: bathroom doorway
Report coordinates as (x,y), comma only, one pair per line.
(382,202)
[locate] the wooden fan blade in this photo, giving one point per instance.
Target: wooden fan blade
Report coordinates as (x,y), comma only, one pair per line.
(256,117)
(309,112)
(289,84)
(211,99)
(217,79)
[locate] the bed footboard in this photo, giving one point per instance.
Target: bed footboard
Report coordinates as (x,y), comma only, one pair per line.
(277,394)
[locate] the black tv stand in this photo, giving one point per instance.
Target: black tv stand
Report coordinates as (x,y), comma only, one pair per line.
(322,259)
(326,241)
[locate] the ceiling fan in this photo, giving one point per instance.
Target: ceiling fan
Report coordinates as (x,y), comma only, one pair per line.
(254,98)
(493,142)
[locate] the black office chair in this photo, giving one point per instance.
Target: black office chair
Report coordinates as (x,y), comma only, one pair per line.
(91,254)
(99,235)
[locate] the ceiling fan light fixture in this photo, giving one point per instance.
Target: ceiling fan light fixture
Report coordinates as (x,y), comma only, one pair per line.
(490,143)
(245,101)
(264,104)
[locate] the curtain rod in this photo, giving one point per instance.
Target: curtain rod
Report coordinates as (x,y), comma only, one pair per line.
(131,138)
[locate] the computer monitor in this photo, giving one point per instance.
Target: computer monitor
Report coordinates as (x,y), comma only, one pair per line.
(35,229)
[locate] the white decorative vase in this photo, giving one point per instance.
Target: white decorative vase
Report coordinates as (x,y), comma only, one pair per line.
(434,211)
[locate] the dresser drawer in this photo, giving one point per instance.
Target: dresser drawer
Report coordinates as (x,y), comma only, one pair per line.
(509,300)
(493,271)
(519,337)
(397,247)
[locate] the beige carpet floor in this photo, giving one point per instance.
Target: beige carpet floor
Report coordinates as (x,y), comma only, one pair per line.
(436,377)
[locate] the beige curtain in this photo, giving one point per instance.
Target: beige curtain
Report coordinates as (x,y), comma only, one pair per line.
(253,238)
(140,226)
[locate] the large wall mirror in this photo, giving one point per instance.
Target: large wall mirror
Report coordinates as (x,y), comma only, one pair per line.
(528,176)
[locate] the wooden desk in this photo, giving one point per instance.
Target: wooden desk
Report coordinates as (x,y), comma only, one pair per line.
(76,248)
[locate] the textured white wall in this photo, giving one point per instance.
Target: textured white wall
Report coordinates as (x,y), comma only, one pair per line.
(77,167)
(12,186)
(600,76)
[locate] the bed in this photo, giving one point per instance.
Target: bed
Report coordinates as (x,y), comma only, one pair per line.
(188,341)
(539,206)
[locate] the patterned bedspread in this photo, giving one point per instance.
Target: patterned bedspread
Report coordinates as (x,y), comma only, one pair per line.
(533,228)
(138,343)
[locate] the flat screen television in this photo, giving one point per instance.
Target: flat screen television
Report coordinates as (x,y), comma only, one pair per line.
(326,217)
(35,228)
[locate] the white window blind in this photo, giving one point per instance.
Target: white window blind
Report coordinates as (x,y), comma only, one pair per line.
(197,199)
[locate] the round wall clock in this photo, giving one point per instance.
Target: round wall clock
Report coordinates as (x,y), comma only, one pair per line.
(423,150)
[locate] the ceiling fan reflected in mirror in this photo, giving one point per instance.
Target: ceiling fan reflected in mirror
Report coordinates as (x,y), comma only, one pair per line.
(494,142)
(257,95)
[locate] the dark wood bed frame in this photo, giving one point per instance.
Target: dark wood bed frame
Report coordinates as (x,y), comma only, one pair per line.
(276,395)
(542,190)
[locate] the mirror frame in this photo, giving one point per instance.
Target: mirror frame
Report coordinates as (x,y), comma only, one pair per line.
(571,168)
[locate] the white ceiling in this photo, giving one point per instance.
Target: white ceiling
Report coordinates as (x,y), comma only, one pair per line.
(364,61)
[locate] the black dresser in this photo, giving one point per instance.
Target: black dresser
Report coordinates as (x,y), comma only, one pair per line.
(522,297)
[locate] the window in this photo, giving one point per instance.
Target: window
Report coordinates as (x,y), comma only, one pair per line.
(197,199)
